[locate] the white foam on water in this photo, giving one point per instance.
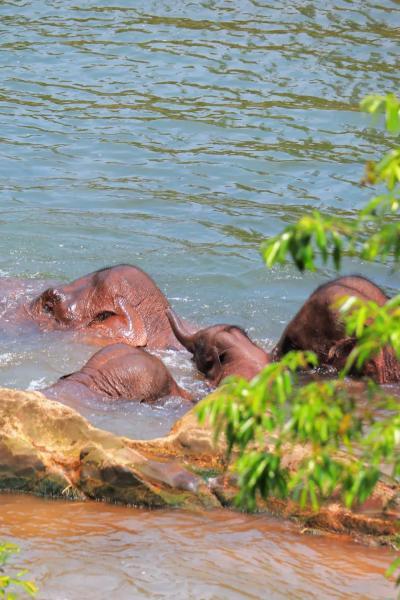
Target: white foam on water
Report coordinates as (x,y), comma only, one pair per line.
(7,358)
(36,384)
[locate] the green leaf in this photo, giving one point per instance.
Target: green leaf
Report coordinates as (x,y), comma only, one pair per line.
(392,113)
(393,567)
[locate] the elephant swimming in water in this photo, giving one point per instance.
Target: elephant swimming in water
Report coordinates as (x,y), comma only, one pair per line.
(318,327)
(221,350)
(116,372)
(118,304)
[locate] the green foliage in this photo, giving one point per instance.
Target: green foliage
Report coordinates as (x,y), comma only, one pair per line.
(385,171)
(9,584)
(388,105)
(322,414)
(303,240)
(345,442)
(395,566)
(374,327)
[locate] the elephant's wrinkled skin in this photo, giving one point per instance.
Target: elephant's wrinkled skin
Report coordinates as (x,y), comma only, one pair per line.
(121,304)
(118,372)
(221,350)
(318,327)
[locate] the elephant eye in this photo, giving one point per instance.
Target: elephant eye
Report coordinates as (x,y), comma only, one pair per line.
(102,316)
(222,357)
(208,363)
(50,298)
(48,308)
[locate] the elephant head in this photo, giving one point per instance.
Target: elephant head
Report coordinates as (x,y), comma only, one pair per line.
(120,371)
(120,303)
(220,350)
(318,327)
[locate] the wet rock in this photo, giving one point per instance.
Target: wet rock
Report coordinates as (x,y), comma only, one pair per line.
(47,448)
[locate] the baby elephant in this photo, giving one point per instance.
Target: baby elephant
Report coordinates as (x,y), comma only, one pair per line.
(118,371)
(220,350)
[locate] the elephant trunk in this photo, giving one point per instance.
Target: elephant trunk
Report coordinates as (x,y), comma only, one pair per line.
(181,333)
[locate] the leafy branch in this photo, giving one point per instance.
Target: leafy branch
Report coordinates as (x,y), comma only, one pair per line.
(375,327)
(10,583)
(272,412)
(303,240)
(388,105)
(262,417)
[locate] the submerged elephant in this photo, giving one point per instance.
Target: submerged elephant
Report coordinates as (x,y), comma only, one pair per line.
(120,303)
(220,350)
(115,372)
(318,327)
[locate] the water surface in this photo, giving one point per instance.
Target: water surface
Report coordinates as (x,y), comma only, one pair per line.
(176,136)
(93,550)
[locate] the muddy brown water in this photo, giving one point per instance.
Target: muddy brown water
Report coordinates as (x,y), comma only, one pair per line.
(94,550)
(176,136)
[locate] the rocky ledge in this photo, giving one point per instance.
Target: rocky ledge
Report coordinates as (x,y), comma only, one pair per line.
(48,449)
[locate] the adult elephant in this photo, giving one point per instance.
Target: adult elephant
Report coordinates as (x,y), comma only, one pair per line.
(120,303)
(318,327)
(118,372)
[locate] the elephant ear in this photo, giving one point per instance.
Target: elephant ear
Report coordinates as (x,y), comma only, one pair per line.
(122,324)
(132,328)
(211,362)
